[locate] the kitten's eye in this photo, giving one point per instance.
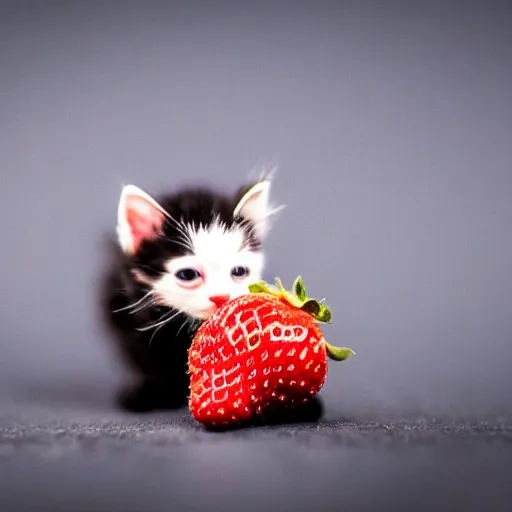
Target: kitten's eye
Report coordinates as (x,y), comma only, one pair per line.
(240,272)
(188,274)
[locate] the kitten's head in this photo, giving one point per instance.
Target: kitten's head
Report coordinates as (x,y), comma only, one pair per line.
(195,246)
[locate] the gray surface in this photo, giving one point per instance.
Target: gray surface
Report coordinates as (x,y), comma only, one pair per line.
(81,458)
(392,126)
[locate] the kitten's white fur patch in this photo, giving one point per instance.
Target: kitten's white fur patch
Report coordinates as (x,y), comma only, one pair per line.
(217,251)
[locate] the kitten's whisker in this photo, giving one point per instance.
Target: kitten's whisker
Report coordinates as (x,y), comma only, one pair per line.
(183,325)
(160,321)
(135,304)
(184,239)
(182,230)
(161,325)
(189,320)
(179,226)
(149,304)
(274,211)
(184,243)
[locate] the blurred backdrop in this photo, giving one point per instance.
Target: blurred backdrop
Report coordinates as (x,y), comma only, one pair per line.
(391,124)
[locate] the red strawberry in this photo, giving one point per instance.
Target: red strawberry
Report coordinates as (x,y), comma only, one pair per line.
(258,355)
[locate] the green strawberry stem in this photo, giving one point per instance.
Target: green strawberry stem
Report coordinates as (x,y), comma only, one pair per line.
(299,299)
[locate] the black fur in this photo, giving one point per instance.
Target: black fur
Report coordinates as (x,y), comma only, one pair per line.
(160,367)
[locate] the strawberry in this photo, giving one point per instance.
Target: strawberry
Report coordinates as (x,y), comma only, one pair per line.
(259,355)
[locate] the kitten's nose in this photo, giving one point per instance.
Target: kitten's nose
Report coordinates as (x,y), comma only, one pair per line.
(219,300)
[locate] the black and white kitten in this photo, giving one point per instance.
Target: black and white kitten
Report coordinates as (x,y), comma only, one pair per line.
(174,256)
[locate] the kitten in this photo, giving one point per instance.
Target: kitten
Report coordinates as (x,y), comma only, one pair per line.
(174,257)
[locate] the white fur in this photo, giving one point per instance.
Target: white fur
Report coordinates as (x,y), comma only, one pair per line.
(216,251)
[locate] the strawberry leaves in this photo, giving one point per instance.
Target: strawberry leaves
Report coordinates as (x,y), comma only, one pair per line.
(299,289)
(298,298)
(317,310)
(259,288)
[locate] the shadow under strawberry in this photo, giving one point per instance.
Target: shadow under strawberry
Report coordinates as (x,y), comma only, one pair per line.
(310,412)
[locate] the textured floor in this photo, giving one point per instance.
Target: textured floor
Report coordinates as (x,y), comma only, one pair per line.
(89,457)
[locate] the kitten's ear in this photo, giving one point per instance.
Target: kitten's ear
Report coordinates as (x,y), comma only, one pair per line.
(254,206)
(139,218)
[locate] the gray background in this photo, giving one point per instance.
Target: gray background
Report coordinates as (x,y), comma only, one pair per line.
(391,124)
(392,131)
